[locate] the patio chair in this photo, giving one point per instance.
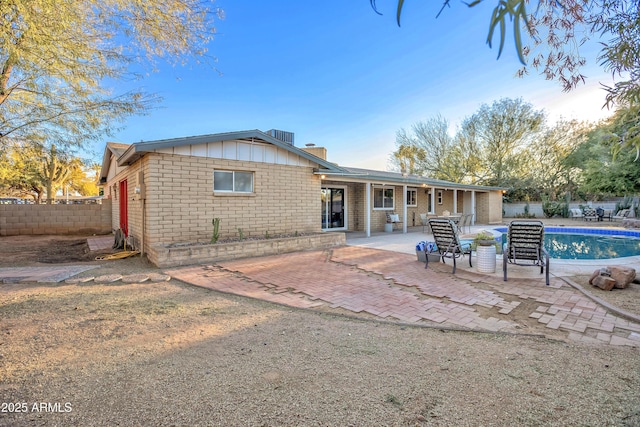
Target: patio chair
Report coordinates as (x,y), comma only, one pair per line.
(576,213)
(465,221)
(525,246)
(424,221)
(445,234)
(393,218)
(622,214)
(590,214)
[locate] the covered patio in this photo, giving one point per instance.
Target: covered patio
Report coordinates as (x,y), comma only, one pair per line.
(359,200)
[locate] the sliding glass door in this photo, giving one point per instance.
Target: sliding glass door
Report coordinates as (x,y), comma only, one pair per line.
(334,208)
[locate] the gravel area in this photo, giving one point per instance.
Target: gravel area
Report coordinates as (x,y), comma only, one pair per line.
(169,354)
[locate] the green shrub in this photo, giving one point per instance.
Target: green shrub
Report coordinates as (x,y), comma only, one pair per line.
(624,203)
(552,208)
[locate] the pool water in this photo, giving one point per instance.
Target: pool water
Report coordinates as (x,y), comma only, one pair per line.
(589,243)
(589,246)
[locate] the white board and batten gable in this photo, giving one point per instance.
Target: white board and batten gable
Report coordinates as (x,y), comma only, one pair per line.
(251,151)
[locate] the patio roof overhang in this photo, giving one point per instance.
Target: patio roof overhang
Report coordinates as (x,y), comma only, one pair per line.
(374,177)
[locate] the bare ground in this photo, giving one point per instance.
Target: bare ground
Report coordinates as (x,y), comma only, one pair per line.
(172,354)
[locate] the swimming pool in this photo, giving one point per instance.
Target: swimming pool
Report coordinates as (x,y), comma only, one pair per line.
(588,243)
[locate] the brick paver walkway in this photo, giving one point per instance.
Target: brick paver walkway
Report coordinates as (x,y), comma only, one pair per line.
(100,242)
(394,286)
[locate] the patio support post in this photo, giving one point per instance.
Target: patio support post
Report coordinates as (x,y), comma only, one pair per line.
(433,200)
(473,207)
(404,209)
(455,201)
(367,208)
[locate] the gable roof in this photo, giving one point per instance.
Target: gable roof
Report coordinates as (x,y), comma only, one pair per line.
(138,149)
(116,149)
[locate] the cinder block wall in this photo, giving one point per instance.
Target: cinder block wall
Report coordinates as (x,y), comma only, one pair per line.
(489,207)
(379,216)
(18,220)
(180,201)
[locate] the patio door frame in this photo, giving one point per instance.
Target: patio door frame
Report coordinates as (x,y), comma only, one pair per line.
(345,215)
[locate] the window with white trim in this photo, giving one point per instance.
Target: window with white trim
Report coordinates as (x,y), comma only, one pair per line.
(383,198)
(439,197)
(233,181)
(412,197)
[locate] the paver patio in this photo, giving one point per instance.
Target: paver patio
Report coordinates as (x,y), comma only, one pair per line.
(394,286)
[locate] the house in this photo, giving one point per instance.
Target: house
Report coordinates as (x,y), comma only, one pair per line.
(168,191)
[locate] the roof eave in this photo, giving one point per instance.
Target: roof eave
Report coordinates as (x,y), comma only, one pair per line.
(370,176)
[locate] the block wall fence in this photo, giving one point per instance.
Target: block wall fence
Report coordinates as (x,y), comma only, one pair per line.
(19,220)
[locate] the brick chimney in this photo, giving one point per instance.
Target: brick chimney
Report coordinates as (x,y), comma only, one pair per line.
(316,151)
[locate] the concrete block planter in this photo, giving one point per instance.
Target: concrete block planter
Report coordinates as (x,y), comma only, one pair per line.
(172,256)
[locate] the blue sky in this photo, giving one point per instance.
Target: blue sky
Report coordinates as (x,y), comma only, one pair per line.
(338,75)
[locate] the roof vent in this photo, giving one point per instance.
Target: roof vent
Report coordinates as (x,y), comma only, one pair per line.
(282,135)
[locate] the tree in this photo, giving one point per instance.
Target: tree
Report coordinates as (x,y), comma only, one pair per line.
(604,173)
(431,147)
(84,179)
(468,157)
(28,170)
(549,168)
(625,131)
(19,174)
(57,58)
(498,134)
(55,170)
(406,157)
(621,54)
(487,149)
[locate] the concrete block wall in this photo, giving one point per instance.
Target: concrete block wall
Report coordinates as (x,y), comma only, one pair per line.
(495,207)
(164,256)
(511,210)
(489,207)
(356,207)
(422,208)
(447,202)
(379,216)
(181,203)
(83,219)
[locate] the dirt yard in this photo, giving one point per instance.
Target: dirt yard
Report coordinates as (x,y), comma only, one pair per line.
(173,354)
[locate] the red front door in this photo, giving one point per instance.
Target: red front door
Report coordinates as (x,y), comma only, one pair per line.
(124,210)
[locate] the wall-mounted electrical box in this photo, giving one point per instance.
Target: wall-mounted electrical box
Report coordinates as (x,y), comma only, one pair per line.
(140,192)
